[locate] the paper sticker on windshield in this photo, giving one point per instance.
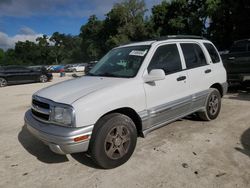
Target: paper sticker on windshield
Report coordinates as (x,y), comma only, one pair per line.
(138,52)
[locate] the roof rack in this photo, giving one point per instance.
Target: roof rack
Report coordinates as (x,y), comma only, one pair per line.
(179,37)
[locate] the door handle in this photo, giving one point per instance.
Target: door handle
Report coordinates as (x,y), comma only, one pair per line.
(181,78)
(208,71)
(231,58)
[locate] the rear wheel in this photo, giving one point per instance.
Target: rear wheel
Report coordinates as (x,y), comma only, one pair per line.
(213,106)
(43,78)
(113,140)
(3,82)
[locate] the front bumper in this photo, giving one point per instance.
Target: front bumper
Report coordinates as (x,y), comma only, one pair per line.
(59,139)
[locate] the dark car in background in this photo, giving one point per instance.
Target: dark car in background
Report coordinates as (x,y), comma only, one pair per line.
(17,75)
(89,66)
(237,63)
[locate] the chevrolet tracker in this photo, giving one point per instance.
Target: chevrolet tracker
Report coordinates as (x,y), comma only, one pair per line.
(131,91)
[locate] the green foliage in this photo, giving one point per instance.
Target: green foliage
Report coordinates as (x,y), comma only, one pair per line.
(124,23)
(1,55)
(92,38)
(221,21)
(230,21)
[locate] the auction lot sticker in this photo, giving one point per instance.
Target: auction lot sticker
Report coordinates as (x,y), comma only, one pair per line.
(138,52)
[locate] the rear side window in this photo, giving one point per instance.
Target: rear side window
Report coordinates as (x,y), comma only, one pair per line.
(166,57)
(212,52)
(194,56)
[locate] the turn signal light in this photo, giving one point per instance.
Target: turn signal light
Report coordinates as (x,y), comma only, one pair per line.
(81,138)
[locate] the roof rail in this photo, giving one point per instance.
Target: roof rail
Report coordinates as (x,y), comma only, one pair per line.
(179,37)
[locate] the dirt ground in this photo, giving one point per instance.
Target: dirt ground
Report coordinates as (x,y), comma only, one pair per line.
(186,153)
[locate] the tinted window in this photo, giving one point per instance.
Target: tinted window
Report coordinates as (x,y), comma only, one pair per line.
(194,56)
(167,58)
(212,52)
(240,46)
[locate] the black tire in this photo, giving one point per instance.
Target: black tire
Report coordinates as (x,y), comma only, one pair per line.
(213,106)
(113,140)
(43,78)
(3,82)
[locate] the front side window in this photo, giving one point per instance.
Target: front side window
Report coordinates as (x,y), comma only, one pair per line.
(121,62)
(212,52)
(167,58)
(194,56)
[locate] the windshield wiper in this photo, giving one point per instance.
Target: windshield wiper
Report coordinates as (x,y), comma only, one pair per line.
(106,74)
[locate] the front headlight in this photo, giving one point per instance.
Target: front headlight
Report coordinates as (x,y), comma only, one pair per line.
(62,115)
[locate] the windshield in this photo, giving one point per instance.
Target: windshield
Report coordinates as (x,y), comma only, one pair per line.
(121,62)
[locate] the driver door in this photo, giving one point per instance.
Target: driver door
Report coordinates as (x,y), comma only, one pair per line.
(169,98)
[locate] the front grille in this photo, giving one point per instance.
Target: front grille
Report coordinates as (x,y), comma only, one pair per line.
(40,109)
(40,104)
(40,115)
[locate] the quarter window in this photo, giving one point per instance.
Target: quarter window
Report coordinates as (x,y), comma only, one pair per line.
(194,56)
(212,52)
(167,58)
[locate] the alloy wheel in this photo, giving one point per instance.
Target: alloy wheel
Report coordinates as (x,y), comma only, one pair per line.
(213,105)
(117,142)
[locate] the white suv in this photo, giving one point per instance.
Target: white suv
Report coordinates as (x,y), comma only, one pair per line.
(132,90)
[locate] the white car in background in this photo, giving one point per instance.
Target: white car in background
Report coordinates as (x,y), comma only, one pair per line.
(131,91)
(77,68)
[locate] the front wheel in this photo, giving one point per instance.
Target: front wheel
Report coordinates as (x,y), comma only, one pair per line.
(213,106)
(43,78)
(113,140)
(3,82)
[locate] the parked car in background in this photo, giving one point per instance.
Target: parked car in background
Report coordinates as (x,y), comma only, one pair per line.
(56,68)
(16,75)
(133,90)
(77,68)
(90,65)
(67,68)
(237,63)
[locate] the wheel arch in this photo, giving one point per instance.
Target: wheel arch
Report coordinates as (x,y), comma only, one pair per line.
(131,113)
(219,87)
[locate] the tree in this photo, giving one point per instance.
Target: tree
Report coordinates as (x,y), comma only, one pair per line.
(43,49)
(127,19)
(1,56)
(180,17)
(10,58)
(57,50)
(91,35)
(230,21)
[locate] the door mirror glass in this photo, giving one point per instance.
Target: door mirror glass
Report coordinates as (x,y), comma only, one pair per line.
(154,75)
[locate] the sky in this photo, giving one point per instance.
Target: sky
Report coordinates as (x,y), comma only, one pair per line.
(22,20)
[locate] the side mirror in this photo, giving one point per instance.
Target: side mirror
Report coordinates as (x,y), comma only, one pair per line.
(154,75)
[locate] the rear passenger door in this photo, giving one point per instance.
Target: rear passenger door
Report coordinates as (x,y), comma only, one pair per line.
(169,98)
(199,72)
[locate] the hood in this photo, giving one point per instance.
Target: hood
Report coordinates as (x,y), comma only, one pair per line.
(69,91)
